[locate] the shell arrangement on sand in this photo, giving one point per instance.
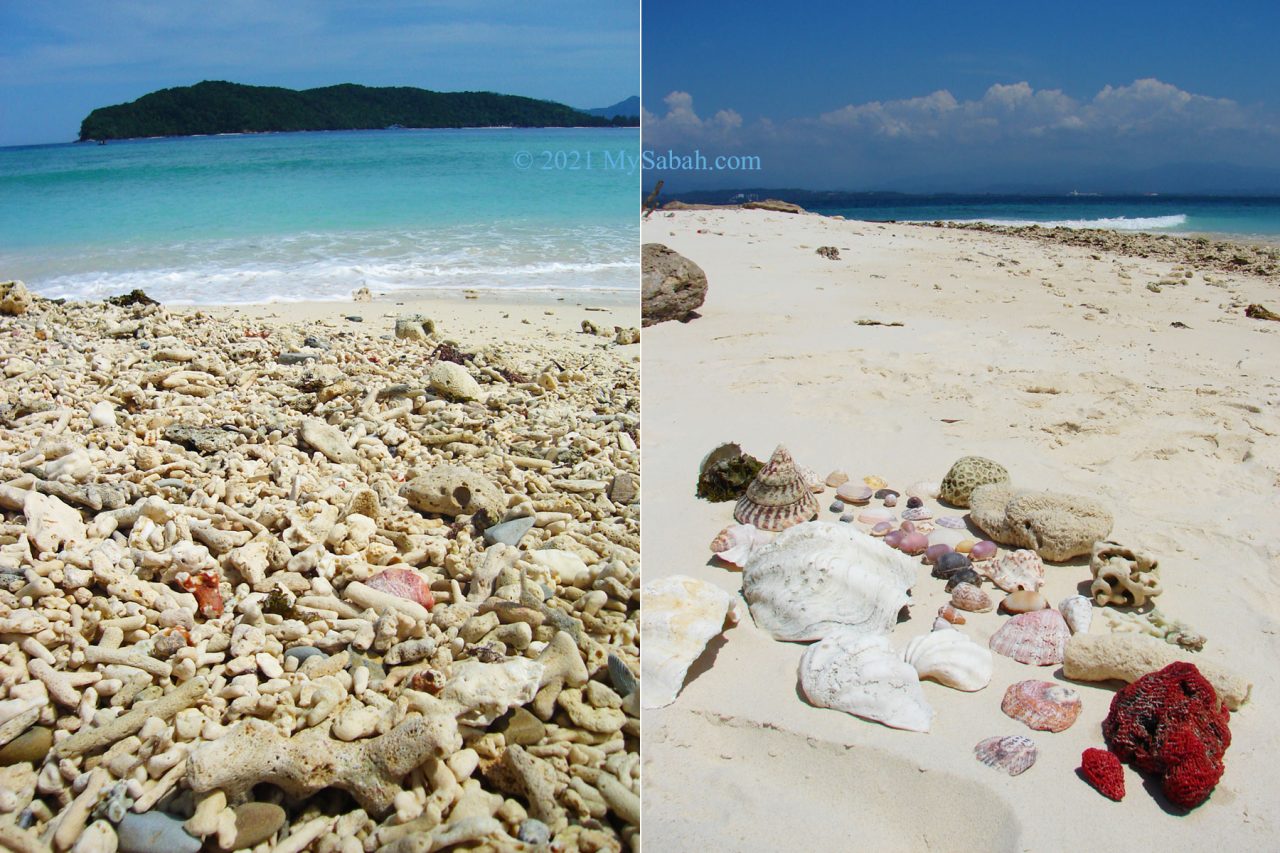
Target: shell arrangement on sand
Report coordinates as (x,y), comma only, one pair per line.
(736,543)
(1016,570)
(950,658)
(403,583)
(861,675)
(1078,613)
(1122,576)
(680,615)
(1042,705)
(1037,638)
(1012,753)
(818,577)
(778,497)
(966,475)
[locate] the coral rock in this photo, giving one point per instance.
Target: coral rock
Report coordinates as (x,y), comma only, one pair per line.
(14,297)
(1128,657)
(1103,771)
(778,497)
(454,490)
(966,475)
(1122,576)
(1172,723)
(1055,526)
(453,382)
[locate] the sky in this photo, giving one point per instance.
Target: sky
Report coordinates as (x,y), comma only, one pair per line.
(61,60)
(979,96)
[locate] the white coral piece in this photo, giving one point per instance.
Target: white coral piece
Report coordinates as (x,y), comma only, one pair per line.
(679,614)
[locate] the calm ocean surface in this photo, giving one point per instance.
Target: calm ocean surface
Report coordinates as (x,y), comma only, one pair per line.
(284,217)
(1254,219)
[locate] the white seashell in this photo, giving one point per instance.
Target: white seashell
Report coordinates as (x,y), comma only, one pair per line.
(950,658)
(736,543)
(1078,611)
(811,479)
(679,616)
(860,675)
(818,577)
(925,490)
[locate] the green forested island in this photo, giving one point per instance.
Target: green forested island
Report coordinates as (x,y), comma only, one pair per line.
(220,107)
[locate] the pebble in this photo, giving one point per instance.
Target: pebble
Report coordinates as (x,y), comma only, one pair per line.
(1023,601)
(295,357)
(153,832)
(914,502)
(623,489)
(837,506)
(301,653)
(30,746)
(837,478)
(355,318)
(847,517)
(533,831)
(891,500)
(621,676)
(524,728)
(509,532)
(950,563)
(255,823)
(882,494)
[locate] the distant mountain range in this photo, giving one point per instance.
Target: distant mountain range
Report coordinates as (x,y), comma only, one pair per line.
(220,107)
(630,108)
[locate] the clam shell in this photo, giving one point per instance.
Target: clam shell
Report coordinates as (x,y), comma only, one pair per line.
(1013,753)
(778,497)
(403,583)
(680,615)
(860,675)
(966,596)
(950,658)
(1042,705)
(954,522)
(736,542)
(1077,610)
(874,515)
(925,490)
(920,513)
(819,577)
(1038,638)
(854,493)
(1016,570)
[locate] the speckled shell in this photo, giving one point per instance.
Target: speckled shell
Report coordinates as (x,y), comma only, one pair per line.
(819,577)
(1013,753)
(778,497)
(920,513)
(950,658)
(1015,570)
(811,479)
(966,596)
(1042,705)
(403,583)
(736,542)
(1038,638)
(1077,610)
(861,675)
(680,615)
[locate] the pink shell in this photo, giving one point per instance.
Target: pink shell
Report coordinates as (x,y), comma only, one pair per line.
(966,596)
(1038,638)
(735,544)
(406,584)
(1042,705)
(1012,753)
(913,544)
(1018,570)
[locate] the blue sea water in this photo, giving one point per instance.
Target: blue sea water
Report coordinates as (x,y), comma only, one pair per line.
(285,217)
(1252,219)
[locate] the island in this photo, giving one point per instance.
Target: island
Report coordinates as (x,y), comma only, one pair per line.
(213,107)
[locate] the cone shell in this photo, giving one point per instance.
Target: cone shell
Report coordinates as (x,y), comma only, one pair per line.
(736,542)
(1016,570)
(860,675)
(1042,705)
(1077,610)
(403,583)
(1013,753)
(950,658)
(778,497)
(680,615)
(816,578)
(1038,638)
(966,596)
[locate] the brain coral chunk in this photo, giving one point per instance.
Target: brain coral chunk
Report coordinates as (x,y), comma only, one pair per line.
(1171,723)
(966,475)
(1056,526)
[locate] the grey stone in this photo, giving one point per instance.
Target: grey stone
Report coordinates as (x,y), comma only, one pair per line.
(533,831)
(672,287)
(205,440)
(296,357)
(623,489)
(154,832)
(301,653)
(255,823)
(509,532)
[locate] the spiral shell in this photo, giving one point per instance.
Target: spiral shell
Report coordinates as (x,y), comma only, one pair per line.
(860,675)
(818,577)
(736,543)
(778,497)
(950,658)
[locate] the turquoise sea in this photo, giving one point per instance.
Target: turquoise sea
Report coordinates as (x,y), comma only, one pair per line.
(285,217)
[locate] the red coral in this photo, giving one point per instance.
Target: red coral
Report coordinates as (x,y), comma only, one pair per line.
(207,588)
(1171,722)
(1104,772)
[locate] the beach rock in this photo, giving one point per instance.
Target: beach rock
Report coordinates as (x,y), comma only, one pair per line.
(831,253)
(291,358)
(524,728)
(329,440)
(774,205)
(14,298)
(154,831)
(454,490)
(414,327)
(453,382)
(966,475)
(533,831)
(509,532)
(623,489)
(204,440)
(30,746)
(1055,526)
(255,823)
(672,287)
(1128,657)
(361,294)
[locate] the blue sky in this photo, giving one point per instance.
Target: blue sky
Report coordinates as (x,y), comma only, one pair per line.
(931,96)
(61,60)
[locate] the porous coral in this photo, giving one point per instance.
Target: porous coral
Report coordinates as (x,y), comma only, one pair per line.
(1122,576)
(1172,723)
(1103,770)
(966,475)
(1055,526)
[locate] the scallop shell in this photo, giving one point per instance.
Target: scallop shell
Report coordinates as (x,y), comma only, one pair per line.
(954,522)
(818,577)
(403,583)
(1016,570)
(1013,753)
(1037,638)
(972,598)
(1077,610)
(778,497)
(1042,705)
(680,615)
(860,675)
(950,658)
(736,542)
